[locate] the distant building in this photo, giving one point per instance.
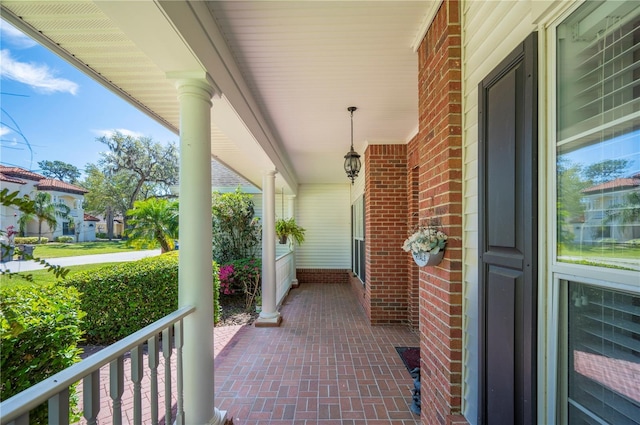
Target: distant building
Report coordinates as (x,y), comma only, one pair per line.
(604,205)
(79,225)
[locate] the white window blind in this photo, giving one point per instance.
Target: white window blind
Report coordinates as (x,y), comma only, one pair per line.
(599,72)
(604,356)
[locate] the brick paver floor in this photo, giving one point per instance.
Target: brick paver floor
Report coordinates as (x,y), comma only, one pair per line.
(324,365)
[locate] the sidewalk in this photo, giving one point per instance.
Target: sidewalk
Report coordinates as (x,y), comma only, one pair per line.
(25,266)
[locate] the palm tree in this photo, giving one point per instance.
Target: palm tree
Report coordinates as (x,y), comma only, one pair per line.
(153,222)
(45,210)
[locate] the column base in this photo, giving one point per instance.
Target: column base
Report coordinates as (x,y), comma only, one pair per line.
(271,321)
(295,283)
(219,417)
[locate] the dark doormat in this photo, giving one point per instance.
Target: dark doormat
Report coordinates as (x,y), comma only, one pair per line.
(410,357)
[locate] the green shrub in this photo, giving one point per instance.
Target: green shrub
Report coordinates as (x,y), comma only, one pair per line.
(236,232)
(633,242)
(242,276)
(39,333)
(30,240)
(122,299)
(64,239)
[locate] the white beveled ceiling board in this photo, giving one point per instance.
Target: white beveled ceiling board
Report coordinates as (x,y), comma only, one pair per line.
(288,69)
(306,62)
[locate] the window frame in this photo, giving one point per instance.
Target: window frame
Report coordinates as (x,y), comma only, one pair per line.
(358,243)
(553,315)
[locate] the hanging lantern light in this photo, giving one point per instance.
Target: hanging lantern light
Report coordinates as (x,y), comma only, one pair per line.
(352,162)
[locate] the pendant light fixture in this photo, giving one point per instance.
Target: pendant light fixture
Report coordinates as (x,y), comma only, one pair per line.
(352,162)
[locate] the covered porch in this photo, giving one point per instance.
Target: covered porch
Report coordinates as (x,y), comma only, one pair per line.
(325,364)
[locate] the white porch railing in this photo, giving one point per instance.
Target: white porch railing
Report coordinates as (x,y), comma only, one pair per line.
(55,389)
(285,273)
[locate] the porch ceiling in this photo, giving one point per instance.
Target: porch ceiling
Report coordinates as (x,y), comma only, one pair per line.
(287,70)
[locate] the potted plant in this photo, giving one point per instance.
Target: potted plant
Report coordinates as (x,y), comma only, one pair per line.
(287,227)
(426,244)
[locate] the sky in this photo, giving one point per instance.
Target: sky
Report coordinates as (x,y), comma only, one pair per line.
(52,111)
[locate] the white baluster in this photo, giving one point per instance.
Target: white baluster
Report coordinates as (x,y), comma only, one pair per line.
(179,341)
(91,395)
(167,347)
(152,352)
(136,378)
(59,408)
(116,388)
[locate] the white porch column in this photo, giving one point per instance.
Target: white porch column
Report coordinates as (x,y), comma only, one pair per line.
(195,275)
(291,199)
(269,316)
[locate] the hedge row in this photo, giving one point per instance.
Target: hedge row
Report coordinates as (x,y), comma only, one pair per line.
(30,240)
(65,239)
(122,299)
(39,332)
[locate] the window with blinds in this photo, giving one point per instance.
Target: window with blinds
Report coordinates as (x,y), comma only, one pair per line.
(598,132)
(603,356)
(599,70)
(358,253)
(598,200)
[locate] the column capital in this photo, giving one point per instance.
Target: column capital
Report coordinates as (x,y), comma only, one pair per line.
(195,79)
(267,173)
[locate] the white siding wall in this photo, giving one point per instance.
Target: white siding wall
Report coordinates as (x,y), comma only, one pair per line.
(491,30)
(325,212)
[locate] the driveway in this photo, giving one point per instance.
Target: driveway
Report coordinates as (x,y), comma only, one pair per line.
(25,266)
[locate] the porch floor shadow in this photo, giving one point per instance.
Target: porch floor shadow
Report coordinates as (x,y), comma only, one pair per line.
(324,365)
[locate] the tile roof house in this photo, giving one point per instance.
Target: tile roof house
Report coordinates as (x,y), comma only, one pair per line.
(605,204)
(27,183)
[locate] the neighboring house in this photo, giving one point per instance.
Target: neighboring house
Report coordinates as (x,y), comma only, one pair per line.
(604,205)
(465,109)
(89,227)
(28,183)
(118,226)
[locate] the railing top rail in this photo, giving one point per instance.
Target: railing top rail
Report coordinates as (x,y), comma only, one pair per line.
(34,396)
(284,255)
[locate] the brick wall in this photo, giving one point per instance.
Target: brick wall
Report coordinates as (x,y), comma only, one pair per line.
(385,230)
(440,197)
(322,276)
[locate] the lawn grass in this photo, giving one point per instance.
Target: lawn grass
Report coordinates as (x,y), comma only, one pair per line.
(42,277)
(603,251)
(57,250)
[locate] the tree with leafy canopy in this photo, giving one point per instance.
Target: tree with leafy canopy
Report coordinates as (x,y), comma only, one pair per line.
(144,160)
(607,170)
(153,222)
(60,170)
(236,233)
(569,204)
(44,210)
(108,195)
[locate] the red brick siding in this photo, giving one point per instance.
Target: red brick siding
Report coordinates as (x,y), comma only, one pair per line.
(385,230)
(440,196)
(322,276)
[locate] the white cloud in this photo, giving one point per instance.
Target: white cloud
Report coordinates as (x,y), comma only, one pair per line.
(4,131)
(15,37)
(123,131)
(40,77)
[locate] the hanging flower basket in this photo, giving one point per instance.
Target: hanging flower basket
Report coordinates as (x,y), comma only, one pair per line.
(426,245)
(427,259)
